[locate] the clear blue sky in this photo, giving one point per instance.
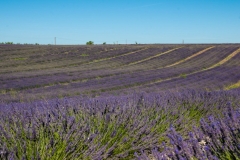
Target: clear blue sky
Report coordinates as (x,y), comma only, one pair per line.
(120,21)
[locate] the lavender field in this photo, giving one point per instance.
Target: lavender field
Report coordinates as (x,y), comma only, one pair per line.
(160,101)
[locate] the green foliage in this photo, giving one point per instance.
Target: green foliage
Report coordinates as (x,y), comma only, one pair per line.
(8,42)
(183,75)
(90,43)
(84,55)
(104,43)
(79,133)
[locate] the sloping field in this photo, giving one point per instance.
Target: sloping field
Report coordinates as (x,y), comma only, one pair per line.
(45,72)
(145,102)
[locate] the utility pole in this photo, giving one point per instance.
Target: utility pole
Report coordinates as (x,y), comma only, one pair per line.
(55,40)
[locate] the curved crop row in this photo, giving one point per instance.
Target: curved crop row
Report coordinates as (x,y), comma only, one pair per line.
(64,63)
(99,81)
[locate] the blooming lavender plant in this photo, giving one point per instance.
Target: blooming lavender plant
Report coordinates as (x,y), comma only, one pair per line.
(117,127)
(216,138)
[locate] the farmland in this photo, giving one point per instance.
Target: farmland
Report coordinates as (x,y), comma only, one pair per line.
(120,101)
(44,72)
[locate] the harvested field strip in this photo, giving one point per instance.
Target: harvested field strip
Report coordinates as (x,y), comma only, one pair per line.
(149,58)
(190,57)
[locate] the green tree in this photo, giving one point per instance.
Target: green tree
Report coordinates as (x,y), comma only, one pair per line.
(90,43)
(8,42)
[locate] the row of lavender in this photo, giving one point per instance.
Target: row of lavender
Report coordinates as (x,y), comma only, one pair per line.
(179,76)
(212,79)
(41,58)
(138,126)
(114,76)
(216,138)
(111,55)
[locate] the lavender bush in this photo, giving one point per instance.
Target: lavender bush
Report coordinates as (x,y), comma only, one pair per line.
(124,127)
(216,138)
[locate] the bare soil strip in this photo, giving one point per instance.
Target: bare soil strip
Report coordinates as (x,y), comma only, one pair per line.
(226,59)
(213,66)
(146,59)
(57,66)
(190,57)
(104,59)
(86,79)
(229,57)
(163,80)
(233,86)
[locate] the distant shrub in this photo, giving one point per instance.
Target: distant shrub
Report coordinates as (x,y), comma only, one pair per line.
(8,42)
(104,43)
(90,43)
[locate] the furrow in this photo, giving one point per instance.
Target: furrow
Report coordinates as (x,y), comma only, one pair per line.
(233,86)
(190,57)
(143,84)
(58,65)
(149,58)
(213,66)
(104,59)
(226,59)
